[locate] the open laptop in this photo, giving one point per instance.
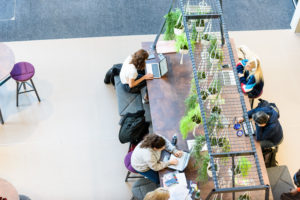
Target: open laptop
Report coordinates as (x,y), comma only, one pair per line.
(182,161)
(158,69)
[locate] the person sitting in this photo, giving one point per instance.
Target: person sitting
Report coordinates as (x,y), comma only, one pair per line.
(158,194)
(132,74)
(268,129)
(251,77)
(145,157)
(293,194)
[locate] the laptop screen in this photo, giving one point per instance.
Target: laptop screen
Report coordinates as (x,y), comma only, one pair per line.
(163,66)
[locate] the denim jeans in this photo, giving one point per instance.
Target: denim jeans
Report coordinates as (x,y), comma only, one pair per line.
(137,88)
(151,175)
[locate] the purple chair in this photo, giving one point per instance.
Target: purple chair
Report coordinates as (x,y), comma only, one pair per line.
(21,73)
(127,162)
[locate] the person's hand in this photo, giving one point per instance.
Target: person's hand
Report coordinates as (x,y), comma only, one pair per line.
(240,119)
(148,76)
(240,75)
(173,161)
(178,154)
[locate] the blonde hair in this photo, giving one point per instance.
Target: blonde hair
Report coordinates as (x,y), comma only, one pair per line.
(256,69)
(158,194)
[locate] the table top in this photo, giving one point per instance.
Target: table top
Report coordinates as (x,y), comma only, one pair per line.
(166,100)
(8,191)
(7,61)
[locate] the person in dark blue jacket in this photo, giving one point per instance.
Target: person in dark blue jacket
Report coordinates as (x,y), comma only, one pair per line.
(268,129)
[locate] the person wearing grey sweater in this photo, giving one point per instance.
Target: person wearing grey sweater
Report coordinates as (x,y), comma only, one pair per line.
(145,157)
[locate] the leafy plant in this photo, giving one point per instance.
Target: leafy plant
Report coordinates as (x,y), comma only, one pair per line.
(190,102)
(182,43)
(213,43)
(214,120)
(202,171)
(204,94)
(216,109)
(245,196)
(189,121)
(217,54)
(171,20)
(201,75)
(243,166)
(200,22)
(206,37)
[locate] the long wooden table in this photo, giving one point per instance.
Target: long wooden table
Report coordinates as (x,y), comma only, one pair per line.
(166,98)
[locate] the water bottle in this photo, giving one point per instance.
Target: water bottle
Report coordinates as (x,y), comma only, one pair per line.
(174,139)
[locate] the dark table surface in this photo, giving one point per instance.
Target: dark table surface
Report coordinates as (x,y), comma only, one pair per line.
(166,99)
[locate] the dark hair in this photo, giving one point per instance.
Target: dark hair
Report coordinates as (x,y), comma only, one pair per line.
(153,141)
(139,58)
(260,117)
(297,178)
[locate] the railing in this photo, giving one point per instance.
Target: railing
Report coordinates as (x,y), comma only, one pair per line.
(220,100)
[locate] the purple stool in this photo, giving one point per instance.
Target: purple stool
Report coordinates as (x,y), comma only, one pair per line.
(127,162)
(21,73)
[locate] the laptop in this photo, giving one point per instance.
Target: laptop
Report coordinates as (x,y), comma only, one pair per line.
(182,161)
(158,69)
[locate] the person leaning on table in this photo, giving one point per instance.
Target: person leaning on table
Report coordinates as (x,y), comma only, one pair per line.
(145,157)
(132,73)
(268,129)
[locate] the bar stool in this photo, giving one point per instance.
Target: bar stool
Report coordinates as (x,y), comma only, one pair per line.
(21,73)
(127,162)
(1,118)
(251,100)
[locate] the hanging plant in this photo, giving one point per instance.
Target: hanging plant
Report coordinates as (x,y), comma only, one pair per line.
(243,166)
(216,109)
(245,196)
(201,75)
(189,121)
(171,20)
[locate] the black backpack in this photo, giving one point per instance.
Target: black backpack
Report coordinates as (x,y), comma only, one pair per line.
(265,103)
(111,73)
(133,127)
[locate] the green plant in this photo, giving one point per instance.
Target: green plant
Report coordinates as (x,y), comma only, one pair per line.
(189,121)
(171,20)
(190,102)
(202,172)
(201,75)
(204,94)
(200,22)
(243,166)
(216,109)
(206,37)
(245,196)
(182,43)
(217,54)
(214,120)
(215,87)
(213,43)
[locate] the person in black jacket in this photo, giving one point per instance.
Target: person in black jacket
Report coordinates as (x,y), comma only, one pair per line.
(268,129)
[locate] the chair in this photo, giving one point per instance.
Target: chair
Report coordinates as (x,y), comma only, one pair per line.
(141,187)
(127,162)
(1,118)
(21,73)
(251,100)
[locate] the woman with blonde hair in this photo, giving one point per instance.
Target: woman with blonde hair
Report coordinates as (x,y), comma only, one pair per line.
(158,194)
(251,77)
